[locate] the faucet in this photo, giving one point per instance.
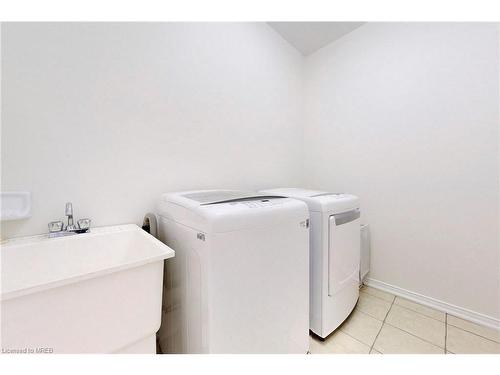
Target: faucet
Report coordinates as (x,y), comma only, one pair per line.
(56,228)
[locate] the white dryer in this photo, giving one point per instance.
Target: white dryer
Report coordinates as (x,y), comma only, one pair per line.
(335,255)
(239,282)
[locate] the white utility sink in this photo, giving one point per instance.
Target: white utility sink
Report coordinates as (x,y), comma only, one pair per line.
(98,292)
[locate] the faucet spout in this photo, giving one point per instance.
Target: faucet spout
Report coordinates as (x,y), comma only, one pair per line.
(69,214)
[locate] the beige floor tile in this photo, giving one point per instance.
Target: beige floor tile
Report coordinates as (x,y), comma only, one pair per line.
(374,351)
(378,293)
(417,324)
(486,332)
(424,310)
(362,327)
(462,342)
(317,346)
(392,340)
(373,306)
(337,343)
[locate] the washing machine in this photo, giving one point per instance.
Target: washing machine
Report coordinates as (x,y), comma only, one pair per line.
(334,255)
(239,280)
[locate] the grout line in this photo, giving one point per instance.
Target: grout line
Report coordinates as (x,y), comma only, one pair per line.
(377,297)
(445,331)
(373,295)
(430,317)
(339,328)
(367,313)
(416,312)
(352,337)
(463,313)
(445,324)
(358,340)
(383,322)
(473,333)
(418,337)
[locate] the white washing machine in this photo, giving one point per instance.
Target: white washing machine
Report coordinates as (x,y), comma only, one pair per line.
(239,280)
(335,255)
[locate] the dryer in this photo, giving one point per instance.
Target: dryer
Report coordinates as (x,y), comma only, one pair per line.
(334,255)
(239,282)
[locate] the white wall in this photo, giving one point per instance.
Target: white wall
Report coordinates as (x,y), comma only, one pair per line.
(109,116)
(406,117)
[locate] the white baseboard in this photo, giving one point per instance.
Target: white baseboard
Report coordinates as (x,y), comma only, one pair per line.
(460,312)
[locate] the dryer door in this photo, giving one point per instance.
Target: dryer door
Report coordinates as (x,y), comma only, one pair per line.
(343,250)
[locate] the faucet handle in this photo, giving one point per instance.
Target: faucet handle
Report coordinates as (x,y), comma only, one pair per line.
(69,209)
(84,224)
(56,226)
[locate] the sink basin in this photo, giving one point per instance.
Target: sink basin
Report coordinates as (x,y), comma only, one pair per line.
(98,292)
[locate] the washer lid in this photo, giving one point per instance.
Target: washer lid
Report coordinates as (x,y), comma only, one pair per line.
(215,211)
(206,197)
(318,200)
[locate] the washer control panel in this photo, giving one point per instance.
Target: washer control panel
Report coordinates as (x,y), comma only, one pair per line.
(257,203)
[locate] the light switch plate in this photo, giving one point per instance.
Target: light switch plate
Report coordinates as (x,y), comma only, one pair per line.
(15,205)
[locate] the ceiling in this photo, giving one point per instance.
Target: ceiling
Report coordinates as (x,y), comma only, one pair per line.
(308,37)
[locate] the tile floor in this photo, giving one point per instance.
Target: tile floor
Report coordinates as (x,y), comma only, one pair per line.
(382,323)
